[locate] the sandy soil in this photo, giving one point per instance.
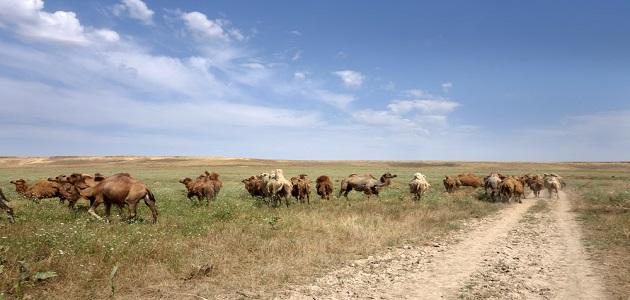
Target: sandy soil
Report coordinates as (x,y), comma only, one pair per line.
(520,253)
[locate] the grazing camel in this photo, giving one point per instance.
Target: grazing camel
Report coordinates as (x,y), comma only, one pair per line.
(120,189)
(301,188)
(4,205)
(469,180)
(365,183)
(492,183)
(278,187)
(535,183)
(255,186)
(552,184)
(450,184)
(202,189)
(324,187)
(42,189)
(418,186)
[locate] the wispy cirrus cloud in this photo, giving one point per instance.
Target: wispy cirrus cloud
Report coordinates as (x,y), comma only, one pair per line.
(125,85)
(199,23)
(200,85)
(426,106)
(420,116)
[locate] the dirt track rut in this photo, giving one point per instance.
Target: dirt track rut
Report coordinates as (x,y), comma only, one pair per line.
(526,251)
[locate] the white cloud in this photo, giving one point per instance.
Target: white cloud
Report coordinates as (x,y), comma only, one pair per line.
(446,87)
(381,117)
(254,66)
(30,21)
(149,102)
(235,33)
(214,29)
(107,35)
(424,117)
(295,32)
(424,106)
(115,107)
(299,75)
(335,99)
(136,9)
(417,93)
(351,79)
(198,22)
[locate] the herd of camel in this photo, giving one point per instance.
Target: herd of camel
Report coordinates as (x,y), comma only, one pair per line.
(123,189)
(507,188)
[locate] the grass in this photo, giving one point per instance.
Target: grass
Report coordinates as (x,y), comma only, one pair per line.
(604,207)
(235,245)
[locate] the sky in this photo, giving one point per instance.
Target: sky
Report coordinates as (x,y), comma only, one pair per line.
(409,80)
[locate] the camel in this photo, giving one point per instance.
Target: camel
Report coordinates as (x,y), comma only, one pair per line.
(278,187)
(365,183)
(4,205)
(418,186)
(120,189)
(324,187)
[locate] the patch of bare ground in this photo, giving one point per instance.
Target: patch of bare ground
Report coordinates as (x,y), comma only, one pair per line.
(541,258)
(527,251)
(427,272)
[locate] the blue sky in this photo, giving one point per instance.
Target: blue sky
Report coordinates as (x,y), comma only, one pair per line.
(447,80)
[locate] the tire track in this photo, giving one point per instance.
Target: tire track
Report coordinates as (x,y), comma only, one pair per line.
(522,252)
(416,273)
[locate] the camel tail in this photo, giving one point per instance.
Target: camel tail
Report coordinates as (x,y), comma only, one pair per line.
(150,195)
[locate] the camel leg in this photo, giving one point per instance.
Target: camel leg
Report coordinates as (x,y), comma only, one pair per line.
(10,215)
(345,193)
(151,204)
(108,211)
(95,204)
(132,207)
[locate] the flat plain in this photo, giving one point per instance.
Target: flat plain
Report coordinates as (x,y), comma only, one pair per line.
(238,247)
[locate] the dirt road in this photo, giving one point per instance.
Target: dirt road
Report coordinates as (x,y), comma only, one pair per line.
(531,250)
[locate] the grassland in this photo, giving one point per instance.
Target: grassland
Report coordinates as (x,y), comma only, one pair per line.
(237,244)
(603,201)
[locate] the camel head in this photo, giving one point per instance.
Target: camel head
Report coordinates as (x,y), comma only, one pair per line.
(19,182)
(386,179)
(59,179)
(185,180)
